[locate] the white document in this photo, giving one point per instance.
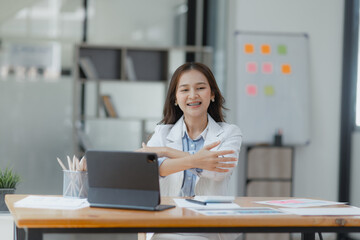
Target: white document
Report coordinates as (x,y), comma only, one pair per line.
(185,204)
(341,211)
(299,202)
(239,211)
(49,202)
(215,199)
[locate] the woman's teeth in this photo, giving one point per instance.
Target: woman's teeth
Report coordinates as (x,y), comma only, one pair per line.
(194,104)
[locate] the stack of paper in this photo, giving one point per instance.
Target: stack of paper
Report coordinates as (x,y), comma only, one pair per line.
(239,211)
(221,206)
(186,204)
(51,203)
(312,207)
(299,202)
(341,211)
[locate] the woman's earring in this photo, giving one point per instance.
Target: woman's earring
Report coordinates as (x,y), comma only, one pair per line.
(213,100)
(175,104)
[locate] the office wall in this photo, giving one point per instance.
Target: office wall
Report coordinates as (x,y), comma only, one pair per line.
(355,166)
(316,165)
(355,176)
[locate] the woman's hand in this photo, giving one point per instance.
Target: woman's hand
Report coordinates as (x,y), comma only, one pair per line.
(203,159)
(163,151)
(213,160)
(160,151)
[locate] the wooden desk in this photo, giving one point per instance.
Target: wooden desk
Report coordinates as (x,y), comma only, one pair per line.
(36,222)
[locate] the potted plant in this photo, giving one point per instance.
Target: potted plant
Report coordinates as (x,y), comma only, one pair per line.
(8,181)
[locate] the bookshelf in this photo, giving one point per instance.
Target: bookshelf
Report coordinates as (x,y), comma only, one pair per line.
(125,87)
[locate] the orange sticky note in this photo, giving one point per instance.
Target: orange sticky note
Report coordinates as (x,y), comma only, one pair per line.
(286,68)
(249,48)
(265,49)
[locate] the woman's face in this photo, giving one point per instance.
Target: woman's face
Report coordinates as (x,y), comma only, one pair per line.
(193,94)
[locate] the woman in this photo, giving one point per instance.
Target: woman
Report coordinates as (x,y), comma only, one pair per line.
(197,150)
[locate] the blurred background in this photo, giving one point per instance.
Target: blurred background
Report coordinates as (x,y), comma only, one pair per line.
(50,109)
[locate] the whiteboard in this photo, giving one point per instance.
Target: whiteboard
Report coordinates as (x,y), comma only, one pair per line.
(272,87)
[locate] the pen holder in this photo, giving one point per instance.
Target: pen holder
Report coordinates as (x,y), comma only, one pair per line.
(75,184)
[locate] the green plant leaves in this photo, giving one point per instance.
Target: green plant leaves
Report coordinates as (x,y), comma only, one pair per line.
(8,179)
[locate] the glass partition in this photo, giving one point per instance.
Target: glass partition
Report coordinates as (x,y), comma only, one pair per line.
(37,42)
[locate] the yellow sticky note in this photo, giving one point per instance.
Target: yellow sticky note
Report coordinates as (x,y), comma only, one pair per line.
(269,91)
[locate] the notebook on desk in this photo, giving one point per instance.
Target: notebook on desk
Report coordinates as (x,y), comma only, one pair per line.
(124,180)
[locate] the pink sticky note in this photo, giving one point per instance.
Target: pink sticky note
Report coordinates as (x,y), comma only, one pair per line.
(251,67)
(251,90)
(267,67)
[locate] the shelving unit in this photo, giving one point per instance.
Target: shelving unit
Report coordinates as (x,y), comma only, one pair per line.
(269,173)
(134,79)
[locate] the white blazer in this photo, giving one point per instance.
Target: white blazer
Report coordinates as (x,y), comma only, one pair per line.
(208,182)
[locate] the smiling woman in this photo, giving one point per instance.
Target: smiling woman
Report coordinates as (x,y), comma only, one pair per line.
(197,150)
(192,73)
(193,96)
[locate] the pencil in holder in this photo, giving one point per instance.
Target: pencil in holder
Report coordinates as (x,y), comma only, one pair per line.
(75,184)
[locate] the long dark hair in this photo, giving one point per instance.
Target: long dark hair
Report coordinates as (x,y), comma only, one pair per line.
(172,113)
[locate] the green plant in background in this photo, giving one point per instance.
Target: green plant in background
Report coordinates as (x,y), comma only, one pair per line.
(8,178)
